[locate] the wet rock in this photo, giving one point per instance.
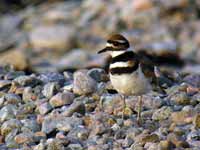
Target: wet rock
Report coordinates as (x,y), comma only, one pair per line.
(61,99)
(162,113)
(83,84)
(7,112)
(50,89)
(57,37)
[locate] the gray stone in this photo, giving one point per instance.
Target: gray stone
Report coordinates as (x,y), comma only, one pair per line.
(7,112)
(61,99)
(83,84)
(162,113)
(50,89)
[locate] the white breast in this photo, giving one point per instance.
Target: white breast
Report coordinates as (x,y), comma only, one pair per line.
(131,84)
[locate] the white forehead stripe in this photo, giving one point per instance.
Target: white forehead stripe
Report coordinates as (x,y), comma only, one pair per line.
(109,45)
(119,64)
(120,41)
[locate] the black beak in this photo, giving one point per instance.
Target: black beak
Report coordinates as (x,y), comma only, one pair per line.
(103,50)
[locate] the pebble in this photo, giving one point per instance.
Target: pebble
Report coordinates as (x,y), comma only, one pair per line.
(83,83)
(50,89)
(162,113)
(61,99)
(7,112)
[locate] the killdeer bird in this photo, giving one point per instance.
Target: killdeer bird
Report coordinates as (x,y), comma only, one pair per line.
(127,72)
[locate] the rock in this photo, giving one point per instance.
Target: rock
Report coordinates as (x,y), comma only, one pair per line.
(79,132)
(50,89)
(30,124)
(27,80)
(12,99)
(162,113)
(25,109)
(61,99)
(166,145)
(144,138)
(98,74)
(193,80)
(57,37)
(76,106)
(59,122)
(16,58)
(13,74)
(180,98)
(7,112)
(142,5)
(55,144)
(182,117)
(83,84)
(193,138)
(75,147)
(24,138)
(5,84)
(196,120)
(8,126)
(44,108)
(52,77)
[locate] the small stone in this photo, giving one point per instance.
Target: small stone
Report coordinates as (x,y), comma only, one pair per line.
(50,89)
(182,117)
(76,106)
(193,80)
(180,98)
(12,98)
(144,138)
(44,108)
(27,80)
(4,84)
(75,147)
(52,77)
(13,74)
(10,125)
(7,112)
(31,125)
(162,113)
(98,74)
(61,99)
(55,144)
(142,5)
(83,83)
(166,145)
(23,138)
(196,120)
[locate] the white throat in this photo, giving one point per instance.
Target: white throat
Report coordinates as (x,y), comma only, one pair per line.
(116,53)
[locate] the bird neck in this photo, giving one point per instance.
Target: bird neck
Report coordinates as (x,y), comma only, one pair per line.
(116,53)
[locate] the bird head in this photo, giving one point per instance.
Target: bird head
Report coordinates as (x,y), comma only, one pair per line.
(116,43)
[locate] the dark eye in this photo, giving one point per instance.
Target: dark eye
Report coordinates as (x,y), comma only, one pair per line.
(115,43)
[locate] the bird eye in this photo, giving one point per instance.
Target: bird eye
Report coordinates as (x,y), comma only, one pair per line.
(115,43)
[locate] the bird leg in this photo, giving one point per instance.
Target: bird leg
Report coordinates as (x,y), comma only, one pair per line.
(124,106)
(139,110)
